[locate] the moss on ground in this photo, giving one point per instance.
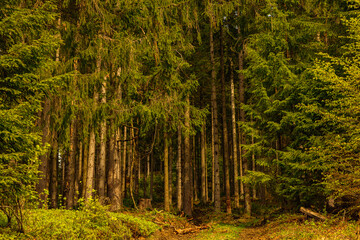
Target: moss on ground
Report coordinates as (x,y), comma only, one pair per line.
(93,222)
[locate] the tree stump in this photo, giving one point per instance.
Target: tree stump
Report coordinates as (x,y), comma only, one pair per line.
(145,203)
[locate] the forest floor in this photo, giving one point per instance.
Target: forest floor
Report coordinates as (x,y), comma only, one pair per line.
(95,222)
(220,226)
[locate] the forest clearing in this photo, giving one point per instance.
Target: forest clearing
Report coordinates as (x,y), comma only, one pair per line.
(179,119)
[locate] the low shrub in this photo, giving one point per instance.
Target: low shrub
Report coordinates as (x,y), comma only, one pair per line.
(93,221)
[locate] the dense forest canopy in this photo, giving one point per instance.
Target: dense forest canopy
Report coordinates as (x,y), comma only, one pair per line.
(181,102)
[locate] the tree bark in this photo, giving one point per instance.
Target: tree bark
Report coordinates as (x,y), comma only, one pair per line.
(212,157)
(123,167)
(92,144)
(216,166)
(78,170)
(242,139)
(102,157)
(225,128)
(85,166)
(195,175)
(152,166)
(70,167)
(170,171)
(178,167)
(235,150)
(166,172)
(188,194)
(116,200)
(54,172)
(111,163)
(44,175)
(242,118)
(204,196)
(253,158)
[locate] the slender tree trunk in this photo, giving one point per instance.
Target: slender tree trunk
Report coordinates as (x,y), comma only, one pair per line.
(235,156)
(170,172)
(132,163)
(225,128)
(216,166)
(115,197)
(123,168)
(53,190)
(206,169)
(70,168)
(54,172)
(242,118)
(111,163)
(178,167)
(195,175)
(78,170)
(102,157)
(253,158)
(152,176)
(90,166)
(188,194)
(44,175)
(166,172)
(92,144)
(204,197)
(243,141)
(138,180)
(146,176)
(85,167)
(212,157)
(63,163)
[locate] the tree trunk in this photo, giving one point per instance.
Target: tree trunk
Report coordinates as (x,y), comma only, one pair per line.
(54,172)
(92,144)
(170,172)
(212,157)
(243,141)
(70,167)
(152,176)
(178,167)
(85,166)
(146,176)
(188,194)
(242,118)
(111,163)
(225,129)
(78,169)
(91,165)
(44,174)
(133,156)
(204,196)
(102,157)
(235,156)
(166,172)
(123,167)
(253,158)
(53,189)
(115,196)
(215,122)
(195,175)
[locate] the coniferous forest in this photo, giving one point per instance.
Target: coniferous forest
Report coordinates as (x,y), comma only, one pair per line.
(242,108)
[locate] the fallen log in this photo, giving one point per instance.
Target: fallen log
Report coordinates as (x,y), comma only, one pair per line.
(191,230)
(312,213)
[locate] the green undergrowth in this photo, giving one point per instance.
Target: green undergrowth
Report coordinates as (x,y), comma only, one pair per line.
(92,222)
(220,231)
(286,228)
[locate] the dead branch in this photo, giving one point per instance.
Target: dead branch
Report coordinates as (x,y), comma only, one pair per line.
(191,230)
(312,213)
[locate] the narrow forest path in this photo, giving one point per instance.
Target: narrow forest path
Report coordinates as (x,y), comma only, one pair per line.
(206,224)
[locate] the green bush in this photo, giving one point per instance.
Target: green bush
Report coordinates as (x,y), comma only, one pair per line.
(93,221)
